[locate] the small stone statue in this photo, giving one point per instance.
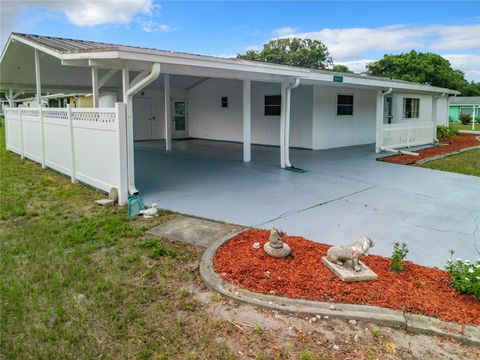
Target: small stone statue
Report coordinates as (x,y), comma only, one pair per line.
(341,254)
(275,246)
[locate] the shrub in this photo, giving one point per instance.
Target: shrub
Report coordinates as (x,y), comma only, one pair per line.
(465,118)
(465,276)
(400,252)
(446,131)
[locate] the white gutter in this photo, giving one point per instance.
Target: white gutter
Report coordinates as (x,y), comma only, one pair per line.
(287,120)
(152,76)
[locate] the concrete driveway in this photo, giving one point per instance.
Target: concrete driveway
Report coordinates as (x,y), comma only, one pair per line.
(343,195)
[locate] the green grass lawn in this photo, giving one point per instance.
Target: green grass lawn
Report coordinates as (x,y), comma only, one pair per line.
(460,126)
(81,281)
(467,163)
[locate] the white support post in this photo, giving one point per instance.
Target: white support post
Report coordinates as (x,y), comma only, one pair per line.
(247,121)
(167,116)
(95,86)
(38,78)
(22,146)
(10,98)
(282,124)
(38,83)
(409,126)
(121,117)
(379,122)
(125,84)
(434,117)
(72,144)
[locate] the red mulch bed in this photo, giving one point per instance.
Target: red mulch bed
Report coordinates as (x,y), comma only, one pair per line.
(462,141)
(302,275)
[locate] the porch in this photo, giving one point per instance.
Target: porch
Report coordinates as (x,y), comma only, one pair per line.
(344,194)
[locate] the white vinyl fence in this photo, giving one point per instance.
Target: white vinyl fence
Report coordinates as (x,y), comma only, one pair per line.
(409,133)
(85,144)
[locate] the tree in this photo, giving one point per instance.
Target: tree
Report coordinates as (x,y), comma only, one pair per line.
(341,68)
(306,53)
(423,68)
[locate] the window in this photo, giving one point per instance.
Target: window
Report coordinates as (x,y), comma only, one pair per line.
(273,104)
(411,108)
(224,102)
(344,104)
(466,110)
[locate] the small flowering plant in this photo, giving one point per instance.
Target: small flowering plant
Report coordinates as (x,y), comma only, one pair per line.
(465,276)
(400,252)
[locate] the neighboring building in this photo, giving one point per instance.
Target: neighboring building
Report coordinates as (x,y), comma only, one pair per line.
(463,105)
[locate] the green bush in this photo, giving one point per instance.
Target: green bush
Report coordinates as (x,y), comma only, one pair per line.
(466,119)
(446,131)
(400,252)
(465,276)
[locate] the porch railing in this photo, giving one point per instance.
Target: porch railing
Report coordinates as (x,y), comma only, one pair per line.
(407,134)
(85,144)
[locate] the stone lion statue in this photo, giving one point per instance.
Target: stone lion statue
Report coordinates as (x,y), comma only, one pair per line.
(341,254)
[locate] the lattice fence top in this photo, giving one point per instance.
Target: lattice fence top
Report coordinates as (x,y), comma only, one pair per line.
(56,114)
(94,117)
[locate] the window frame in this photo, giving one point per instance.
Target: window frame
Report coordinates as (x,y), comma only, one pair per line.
(345,105)
(413,115)
(265,106)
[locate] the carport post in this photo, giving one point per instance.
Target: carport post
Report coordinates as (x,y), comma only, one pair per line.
(39,102)
(247,121)
(95,87)
(168,122)
(283,123)
(379,121)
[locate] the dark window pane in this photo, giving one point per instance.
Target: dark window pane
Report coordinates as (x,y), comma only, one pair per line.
(345,100)
(273,100)
(272,110)
(344,110)
(224,102)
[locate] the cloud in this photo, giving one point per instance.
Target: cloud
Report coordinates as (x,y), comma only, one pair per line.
(468,63)
(348,43)
(84,13)
(153,26)
(284,31)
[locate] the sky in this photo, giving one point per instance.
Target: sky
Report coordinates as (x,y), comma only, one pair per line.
(355,32)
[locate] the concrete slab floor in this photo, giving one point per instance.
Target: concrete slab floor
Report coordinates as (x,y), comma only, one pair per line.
(344,195)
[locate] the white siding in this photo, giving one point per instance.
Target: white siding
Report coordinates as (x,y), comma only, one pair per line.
(425,112)
(208,120)
(442,111)
(331,130)
(157,99)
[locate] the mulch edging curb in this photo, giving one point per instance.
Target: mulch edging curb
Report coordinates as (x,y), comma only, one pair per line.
(412,323)
(438,157)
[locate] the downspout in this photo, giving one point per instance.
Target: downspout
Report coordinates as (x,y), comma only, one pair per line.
(287,120)
(152,76)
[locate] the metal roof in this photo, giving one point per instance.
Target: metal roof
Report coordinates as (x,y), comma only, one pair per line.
(465,100)
(63,46)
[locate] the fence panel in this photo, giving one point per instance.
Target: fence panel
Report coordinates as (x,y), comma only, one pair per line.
(406,134)
(81,143)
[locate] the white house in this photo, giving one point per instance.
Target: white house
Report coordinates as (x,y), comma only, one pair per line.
(206,97)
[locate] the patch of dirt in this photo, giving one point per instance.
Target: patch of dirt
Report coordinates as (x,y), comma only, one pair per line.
(253,333)
(302,275)
(462,141)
